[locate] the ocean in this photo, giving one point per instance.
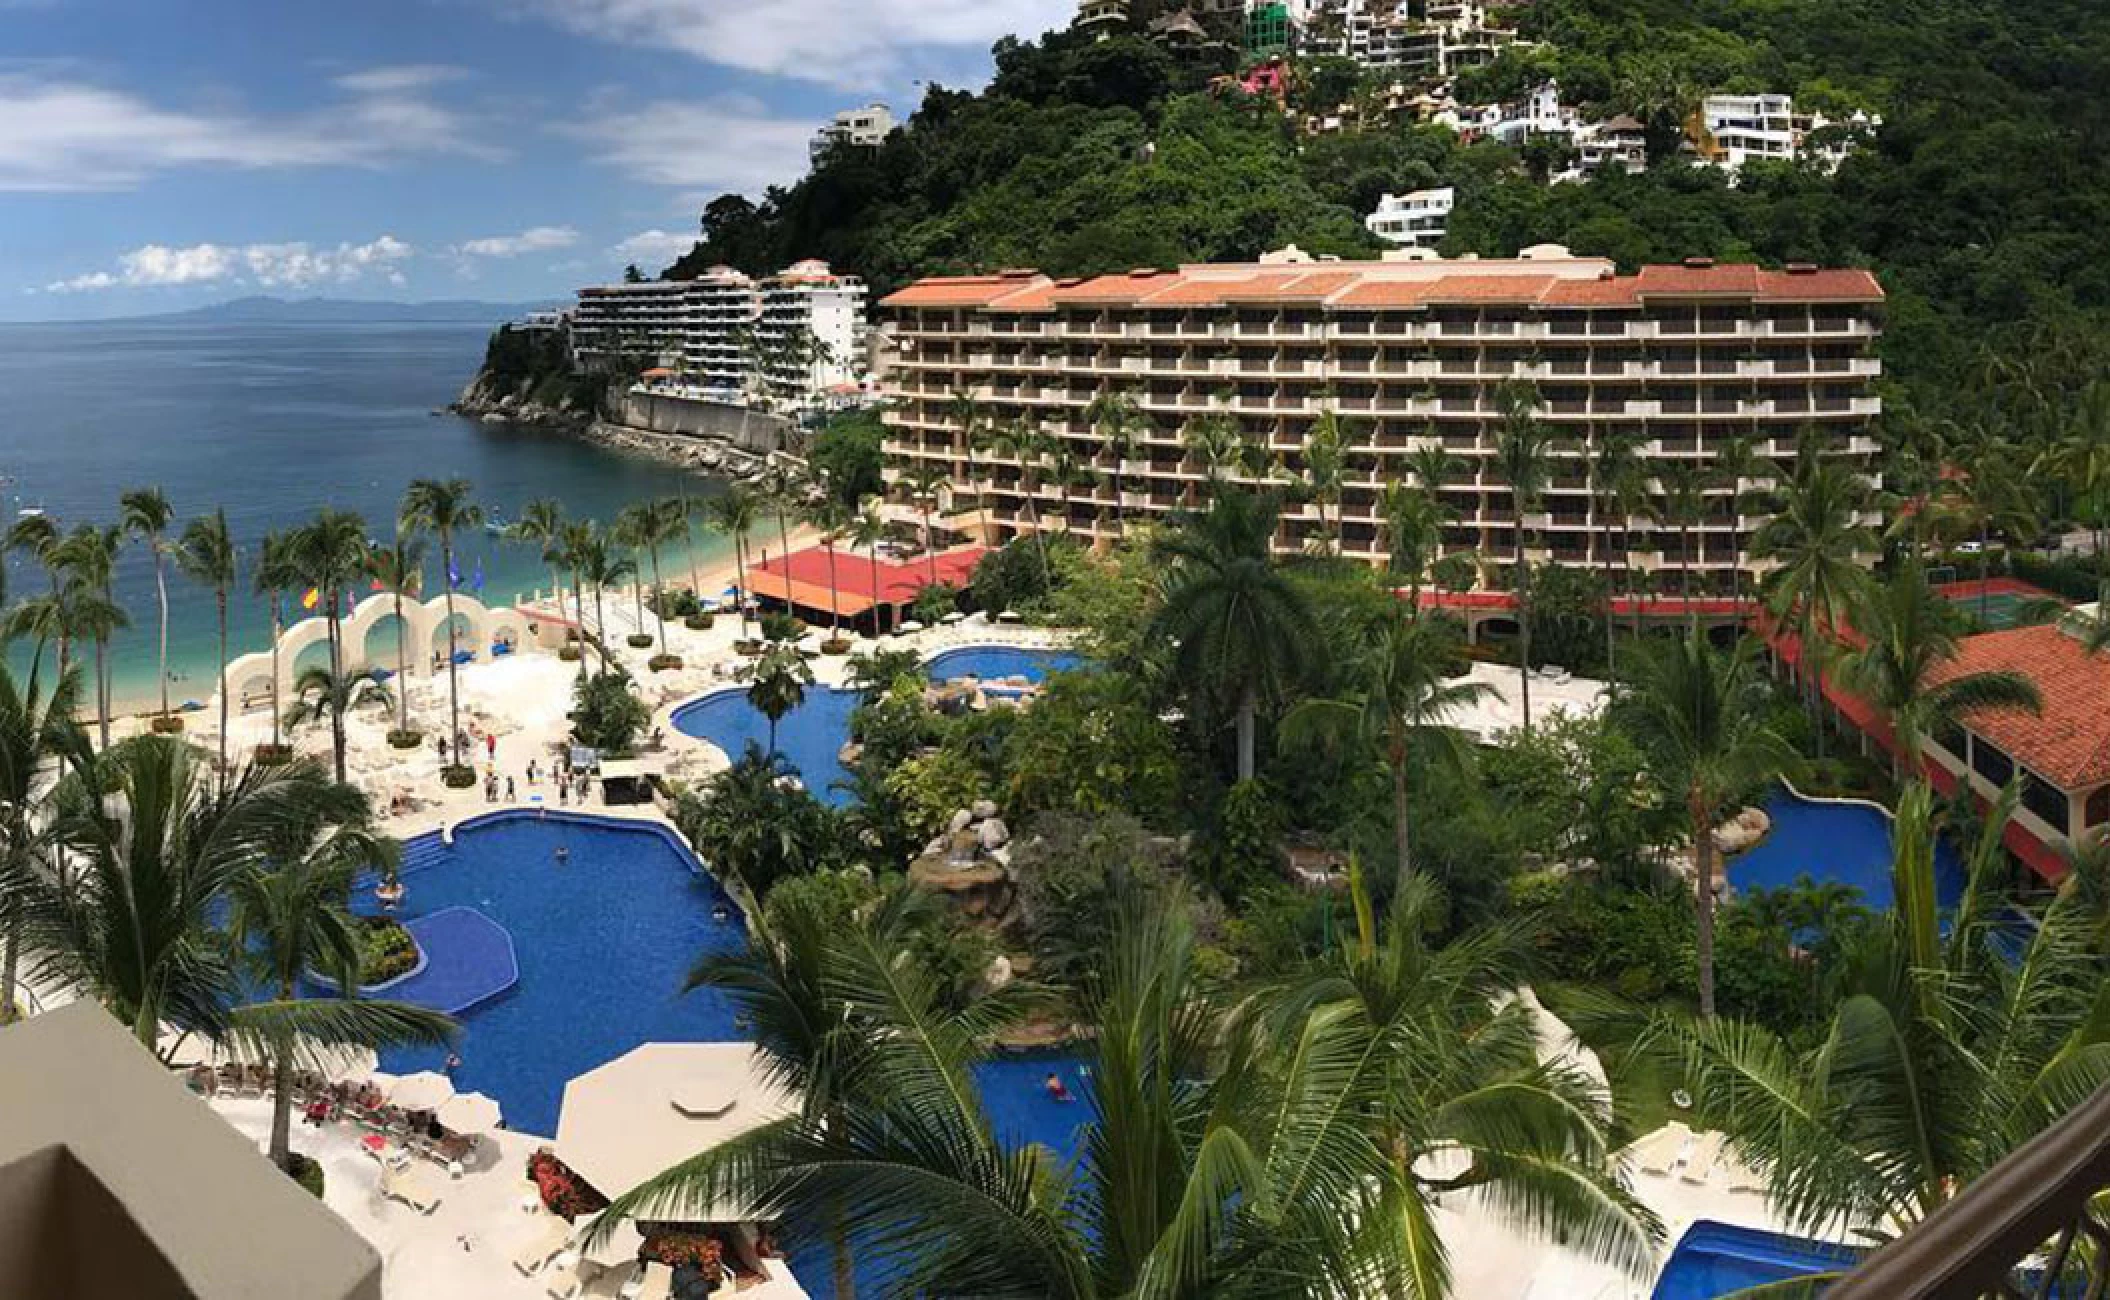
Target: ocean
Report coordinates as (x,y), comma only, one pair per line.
(273,422)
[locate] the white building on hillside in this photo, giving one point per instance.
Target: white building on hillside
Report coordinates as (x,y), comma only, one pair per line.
(1743,128)
(1430,38)
(861,128)
(723,308)
(614,323)
(1415,220)
(811,332)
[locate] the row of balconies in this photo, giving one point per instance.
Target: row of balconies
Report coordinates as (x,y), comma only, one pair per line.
(1404,326)
(1464,367)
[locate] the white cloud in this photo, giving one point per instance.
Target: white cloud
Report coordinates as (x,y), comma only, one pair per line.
(535,239)
(295,265)
(655,247)
(852,45)
(727,143)
(62,134)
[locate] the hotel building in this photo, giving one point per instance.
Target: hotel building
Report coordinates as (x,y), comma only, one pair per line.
(1408,352)
(1415,220)
(794,336)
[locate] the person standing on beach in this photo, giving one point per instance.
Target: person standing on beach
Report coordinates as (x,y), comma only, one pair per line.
(509,790)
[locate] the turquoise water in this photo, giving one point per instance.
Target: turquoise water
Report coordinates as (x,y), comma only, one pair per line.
(811,736)
(1717,1259)
(273,422)
(1845,842)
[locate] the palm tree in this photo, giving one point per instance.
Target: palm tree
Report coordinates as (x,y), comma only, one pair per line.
(1943,1054)
(1414,521)
(735,515)
(1070,471)
(146,512)
(37,536)
(1403,690)
(1737,461)
(277,571)
(777,683)
(320,695)
(828,514)
(400,570)
(542,521)
(87,557)
(576,539)
(329,553)
(1523,452)
(1029,447)
(599,568)
(152,851)
(1216,444)
(1117,420)
(1682,504)
(2080,458)
(785,488)
(1703,732)
(1815,539)
(206,556)
(922,483)
(1191,1179)
(867,529)
(1619,485)
(444,507)
(1990,496)
(1325,468)
(1238,629)
(634,523)
(1909,636)
(665,520)
(289,915)
(37,728)
(964,414)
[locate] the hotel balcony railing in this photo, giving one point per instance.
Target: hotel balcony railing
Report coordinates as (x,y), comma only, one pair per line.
(2031,1226)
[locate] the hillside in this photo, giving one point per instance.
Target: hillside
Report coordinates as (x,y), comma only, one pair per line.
(1981,203)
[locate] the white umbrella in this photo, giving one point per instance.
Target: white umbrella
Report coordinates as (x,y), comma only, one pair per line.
(953,617)
(425,1090)
(470,1112)
(910,626)
(1010,616)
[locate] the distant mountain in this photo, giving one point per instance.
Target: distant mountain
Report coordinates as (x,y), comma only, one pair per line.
(291,311)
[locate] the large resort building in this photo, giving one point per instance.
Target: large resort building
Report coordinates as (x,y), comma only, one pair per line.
(1410,352)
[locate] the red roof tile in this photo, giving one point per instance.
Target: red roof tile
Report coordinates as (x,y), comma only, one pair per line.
(2067,744)
(1116,288)
(954,291)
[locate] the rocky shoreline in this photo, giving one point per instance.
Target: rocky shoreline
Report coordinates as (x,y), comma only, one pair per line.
(483,402)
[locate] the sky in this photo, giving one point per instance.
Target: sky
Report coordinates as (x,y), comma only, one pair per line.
(163,154)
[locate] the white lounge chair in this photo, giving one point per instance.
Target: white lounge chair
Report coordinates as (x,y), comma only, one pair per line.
(1706,1154)
(545,1245)
(654,1281)
(566,1276)
(1663,1151)
(410,1186)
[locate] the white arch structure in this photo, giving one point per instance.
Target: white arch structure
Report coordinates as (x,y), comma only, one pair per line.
(249,677)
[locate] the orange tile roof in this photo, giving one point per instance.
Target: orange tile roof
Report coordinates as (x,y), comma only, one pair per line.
(1116,288)
(954,291)
(1377,285)
(2069,742)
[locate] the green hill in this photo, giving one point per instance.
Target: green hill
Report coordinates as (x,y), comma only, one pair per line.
(1983,202)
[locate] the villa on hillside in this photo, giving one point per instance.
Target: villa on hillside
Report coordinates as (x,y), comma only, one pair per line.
(1410,352)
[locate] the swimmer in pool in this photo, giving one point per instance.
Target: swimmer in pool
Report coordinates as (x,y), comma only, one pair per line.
(1056,1090)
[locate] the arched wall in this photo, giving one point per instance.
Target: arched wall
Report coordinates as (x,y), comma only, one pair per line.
(250,675)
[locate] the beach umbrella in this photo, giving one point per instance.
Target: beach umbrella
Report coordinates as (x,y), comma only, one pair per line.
(910,626)
(954,617)
(425,1090)
(1010,616)
(470,1112)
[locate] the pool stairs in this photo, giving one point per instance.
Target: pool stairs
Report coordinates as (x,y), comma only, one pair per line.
(424,851)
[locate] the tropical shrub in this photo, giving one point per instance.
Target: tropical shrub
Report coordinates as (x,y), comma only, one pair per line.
(934,602)
(750,821)
(386,950)
(1241,848)
(1092,743)
(606,715)
(932,786)
(777,625)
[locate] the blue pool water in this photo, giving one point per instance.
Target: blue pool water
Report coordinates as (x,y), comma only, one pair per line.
(1716,1259)
(603,942)
(810,736)
(466,960)
(1849,843)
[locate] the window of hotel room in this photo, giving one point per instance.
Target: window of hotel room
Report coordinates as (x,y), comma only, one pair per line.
(1951,737)
(1991,762)
(2044,799)
(2098,809)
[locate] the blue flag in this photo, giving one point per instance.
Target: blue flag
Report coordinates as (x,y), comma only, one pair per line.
(454,574)
(476,582)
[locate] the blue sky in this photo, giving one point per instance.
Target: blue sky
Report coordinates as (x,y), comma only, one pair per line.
(160,154)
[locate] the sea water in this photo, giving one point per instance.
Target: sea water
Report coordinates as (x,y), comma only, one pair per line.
(272,422)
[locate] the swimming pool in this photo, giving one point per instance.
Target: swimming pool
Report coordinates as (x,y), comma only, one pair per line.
(811,736)
(602,940)
(1718,1259)
(1846,842)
